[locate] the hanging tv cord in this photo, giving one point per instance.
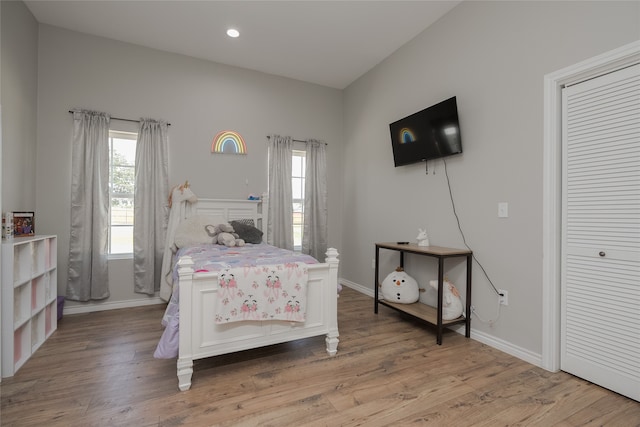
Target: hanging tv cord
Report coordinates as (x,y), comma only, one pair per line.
(473,255)
(426,169)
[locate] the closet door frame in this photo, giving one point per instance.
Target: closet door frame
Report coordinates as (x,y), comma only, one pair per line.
(552,184)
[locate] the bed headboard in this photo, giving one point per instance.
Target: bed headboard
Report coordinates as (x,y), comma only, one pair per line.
(234,209)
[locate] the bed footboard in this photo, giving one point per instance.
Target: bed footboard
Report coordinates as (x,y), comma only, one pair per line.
(201,337)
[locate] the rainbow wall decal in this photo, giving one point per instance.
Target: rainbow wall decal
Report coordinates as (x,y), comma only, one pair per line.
(230,142)
(406,135)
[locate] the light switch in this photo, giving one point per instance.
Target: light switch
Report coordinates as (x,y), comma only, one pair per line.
(503,210)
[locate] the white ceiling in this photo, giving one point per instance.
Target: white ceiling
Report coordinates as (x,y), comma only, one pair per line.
(330,43)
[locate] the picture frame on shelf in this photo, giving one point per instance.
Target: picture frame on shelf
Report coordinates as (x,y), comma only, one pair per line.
(24,224)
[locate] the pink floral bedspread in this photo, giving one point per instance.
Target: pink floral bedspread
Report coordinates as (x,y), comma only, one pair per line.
(267,292)
(210,257)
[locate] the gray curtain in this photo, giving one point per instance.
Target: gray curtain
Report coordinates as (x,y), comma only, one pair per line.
(88,277)
(150,205)
(280,215)
(314,234)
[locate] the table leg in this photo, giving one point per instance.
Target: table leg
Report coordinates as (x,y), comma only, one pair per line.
(467,326)
(375,283)
(440,293)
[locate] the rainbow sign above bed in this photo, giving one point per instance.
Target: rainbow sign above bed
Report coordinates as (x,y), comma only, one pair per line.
(229,142)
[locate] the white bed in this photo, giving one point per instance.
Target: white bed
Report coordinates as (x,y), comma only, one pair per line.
(200,336)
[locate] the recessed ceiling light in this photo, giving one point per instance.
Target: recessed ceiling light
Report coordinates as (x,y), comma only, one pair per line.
(232,32)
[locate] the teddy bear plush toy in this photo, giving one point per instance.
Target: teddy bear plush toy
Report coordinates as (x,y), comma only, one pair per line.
(400,287)
(223,234)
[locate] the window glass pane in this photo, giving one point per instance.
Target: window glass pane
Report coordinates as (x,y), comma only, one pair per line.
(297,236)
(124,151)
(122,240)
(122,180)
(297,188)
(122,158)
(121,211)
(296,166)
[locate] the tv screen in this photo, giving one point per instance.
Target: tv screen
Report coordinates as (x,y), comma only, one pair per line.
(428,134)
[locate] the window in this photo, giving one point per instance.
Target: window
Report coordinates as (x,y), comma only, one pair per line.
(297,189)
(122,158)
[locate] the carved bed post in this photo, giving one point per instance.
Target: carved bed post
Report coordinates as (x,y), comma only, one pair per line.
(332,309)
(185,356)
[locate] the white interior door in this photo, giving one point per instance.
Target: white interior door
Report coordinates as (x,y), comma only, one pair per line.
(600,308)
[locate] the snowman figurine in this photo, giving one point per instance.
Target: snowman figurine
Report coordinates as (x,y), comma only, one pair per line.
(399,287)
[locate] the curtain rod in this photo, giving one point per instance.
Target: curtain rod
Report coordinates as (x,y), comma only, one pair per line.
(123,120)
(296,140)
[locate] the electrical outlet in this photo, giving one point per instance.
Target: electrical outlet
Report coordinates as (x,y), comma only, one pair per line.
(503,297)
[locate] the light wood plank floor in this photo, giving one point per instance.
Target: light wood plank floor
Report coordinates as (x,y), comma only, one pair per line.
(98,370)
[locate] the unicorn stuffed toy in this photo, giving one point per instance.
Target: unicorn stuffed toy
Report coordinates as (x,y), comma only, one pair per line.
(423,239)
(451,302)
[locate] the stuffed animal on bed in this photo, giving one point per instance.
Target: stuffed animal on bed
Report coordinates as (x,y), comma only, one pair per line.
(451,303)
(400,287)
(223,234)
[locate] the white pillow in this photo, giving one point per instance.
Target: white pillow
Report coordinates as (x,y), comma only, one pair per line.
(192,230)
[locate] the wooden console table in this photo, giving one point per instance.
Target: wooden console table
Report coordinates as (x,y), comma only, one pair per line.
(418,310)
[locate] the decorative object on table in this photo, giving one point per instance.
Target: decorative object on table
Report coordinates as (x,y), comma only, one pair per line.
(7,225)
(452,307)
(400,287)
(23,224)
(228,142)
(423,238)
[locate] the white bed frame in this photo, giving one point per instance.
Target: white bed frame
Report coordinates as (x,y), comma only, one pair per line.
(201,337)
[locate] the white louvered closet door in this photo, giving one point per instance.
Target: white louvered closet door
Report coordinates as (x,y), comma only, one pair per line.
(600,337)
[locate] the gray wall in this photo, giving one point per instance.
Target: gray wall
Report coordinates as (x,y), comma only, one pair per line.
(493,57)
(19,86)
(198,98)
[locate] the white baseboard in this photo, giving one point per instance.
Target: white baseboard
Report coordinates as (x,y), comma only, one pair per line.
(505,346)
(356,287)
(483,337)
(111,305)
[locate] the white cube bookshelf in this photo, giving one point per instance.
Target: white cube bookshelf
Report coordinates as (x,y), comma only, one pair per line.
(29,297)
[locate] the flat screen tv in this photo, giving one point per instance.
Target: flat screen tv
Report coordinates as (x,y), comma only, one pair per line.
(428,134)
